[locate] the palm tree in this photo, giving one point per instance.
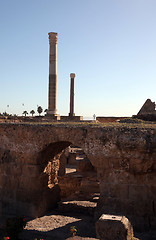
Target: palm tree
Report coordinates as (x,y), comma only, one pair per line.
(25,113)
(32,112)
(5,114)
(39,110)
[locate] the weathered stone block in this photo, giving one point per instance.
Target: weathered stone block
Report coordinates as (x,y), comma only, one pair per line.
(111,227)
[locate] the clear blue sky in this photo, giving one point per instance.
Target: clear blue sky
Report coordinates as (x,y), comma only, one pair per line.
(109,44)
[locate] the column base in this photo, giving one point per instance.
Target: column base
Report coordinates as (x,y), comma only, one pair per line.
(52,112)
(71,118)
(71,114)
(52,115)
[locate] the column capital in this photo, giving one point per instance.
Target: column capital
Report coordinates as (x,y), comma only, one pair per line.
(53,37)
(72,75)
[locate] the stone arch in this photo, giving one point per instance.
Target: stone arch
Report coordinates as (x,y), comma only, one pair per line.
(52,156)
(47,178)
(51,150)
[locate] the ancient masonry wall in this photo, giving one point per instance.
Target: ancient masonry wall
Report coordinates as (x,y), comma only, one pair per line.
(125,159)
(128,176)
(129,194)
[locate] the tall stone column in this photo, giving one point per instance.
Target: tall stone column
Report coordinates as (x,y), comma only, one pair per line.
(52,73)
(72,76)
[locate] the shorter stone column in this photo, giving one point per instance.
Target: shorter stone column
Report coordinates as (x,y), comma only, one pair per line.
(72,77)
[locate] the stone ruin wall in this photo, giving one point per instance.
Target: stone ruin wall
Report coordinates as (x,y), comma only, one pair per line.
(127,175)
(125,159)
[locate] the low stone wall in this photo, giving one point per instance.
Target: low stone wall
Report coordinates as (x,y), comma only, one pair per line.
(71,118)
(109,119)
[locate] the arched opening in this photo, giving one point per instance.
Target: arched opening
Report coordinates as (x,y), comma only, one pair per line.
(67,182)
(77,176)
(66,166)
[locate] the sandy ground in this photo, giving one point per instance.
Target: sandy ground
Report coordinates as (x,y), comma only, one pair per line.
(57,226)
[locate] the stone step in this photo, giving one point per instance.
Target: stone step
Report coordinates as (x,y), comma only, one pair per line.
(82,196)
(95,197)
(77,206)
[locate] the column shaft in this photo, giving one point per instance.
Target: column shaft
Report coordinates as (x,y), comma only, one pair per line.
(52,73)
(72,75)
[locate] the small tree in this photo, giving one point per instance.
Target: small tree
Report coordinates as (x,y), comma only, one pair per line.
(32,112)
(5,114)
(25,113)
(39,110)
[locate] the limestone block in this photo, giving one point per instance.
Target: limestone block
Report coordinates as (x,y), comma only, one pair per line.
(111,227)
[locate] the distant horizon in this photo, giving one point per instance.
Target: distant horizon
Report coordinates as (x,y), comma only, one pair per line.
(42,114)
